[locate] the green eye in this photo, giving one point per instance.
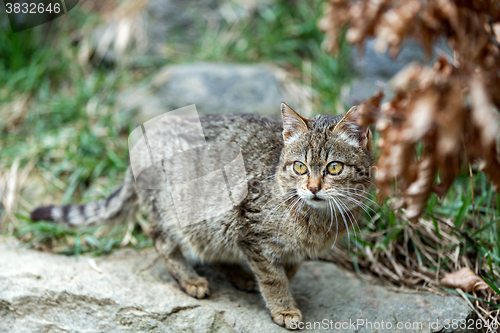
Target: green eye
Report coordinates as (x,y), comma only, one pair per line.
(335,168)
(299,168)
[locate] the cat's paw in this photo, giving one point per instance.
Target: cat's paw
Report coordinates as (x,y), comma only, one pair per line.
(288,319)
(248,285)
(198,288)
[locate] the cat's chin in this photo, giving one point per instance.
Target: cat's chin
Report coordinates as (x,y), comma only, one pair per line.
(318,204)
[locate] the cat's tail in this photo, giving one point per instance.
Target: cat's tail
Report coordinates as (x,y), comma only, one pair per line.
(121,203)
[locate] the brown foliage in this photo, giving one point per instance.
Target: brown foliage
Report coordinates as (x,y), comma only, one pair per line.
(445,112)
(464,279)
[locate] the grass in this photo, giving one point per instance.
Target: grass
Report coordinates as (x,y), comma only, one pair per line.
(64,134)
(63,139)
(462,230)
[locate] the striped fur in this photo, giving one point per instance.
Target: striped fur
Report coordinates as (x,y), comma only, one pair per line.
(121,203)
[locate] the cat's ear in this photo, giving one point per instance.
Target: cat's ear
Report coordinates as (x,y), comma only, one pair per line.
(348,125)
(293,123)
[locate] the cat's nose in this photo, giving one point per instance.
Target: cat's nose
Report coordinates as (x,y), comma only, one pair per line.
(314,189)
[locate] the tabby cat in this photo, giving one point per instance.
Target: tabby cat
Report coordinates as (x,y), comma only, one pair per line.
(307,178)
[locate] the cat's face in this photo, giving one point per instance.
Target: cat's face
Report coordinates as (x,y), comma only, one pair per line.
(326,160)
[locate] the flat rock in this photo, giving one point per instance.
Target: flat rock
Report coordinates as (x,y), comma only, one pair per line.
(215,89)
(375,69)
(42,292)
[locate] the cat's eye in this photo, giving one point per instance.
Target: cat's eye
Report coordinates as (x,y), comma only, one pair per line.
(335,168)
(299,168)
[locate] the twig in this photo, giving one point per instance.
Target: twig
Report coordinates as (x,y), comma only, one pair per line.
(93,265)
(463,233)
(151,264)
(473,201)
(470,304)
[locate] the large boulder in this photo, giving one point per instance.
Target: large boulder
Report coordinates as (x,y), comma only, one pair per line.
(374,69)
(42,292)
(215,89)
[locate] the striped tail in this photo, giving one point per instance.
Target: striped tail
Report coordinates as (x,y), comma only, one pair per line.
(120,203)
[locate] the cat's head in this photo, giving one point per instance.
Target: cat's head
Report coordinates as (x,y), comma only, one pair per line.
(325,159)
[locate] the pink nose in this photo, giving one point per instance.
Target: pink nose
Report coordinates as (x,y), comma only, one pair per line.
(314,189)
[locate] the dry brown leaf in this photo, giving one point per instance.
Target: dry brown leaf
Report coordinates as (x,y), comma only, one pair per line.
(418,192)
(334,19)
(447,111)
(483,116)
(394,25)
(464,279)
(369,110)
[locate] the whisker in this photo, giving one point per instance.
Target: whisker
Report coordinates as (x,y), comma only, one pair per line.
(280,202)
(372,183)
(280,197)
(267,178)
(361,204)
(364,197)
(349,210)
(295,222)
(277,206)
(331,217)
(336,223)
(352,219)
(343,218)
(288,210)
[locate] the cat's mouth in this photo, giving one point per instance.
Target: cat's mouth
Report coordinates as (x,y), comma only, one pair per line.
(317,202)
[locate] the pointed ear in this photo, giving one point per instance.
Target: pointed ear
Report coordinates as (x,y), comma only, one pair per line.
(293,123)
(348,125)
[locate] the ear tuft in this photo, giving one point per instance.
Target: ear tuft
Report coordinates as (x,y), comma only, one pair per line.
(293,123)
(349,125)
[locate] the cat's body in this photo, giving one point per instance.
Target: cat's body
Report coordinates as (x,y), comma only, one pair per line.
(286,217)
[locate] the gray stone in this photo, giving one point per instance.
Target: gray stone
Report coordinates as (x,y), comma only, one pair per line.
(374,70)
(214,89)
(42,292)
(370,63)
(365,87)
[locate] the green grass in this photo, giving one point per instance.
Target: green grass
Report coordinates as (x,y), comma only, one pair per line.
(69,132)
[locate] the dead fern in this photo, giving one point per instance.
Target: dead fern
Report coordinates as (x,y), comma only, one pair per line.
(441,120)
(447,109)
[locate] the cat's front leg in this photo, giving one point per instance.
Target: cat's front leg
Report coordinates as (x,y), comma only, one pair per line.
(273,283)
